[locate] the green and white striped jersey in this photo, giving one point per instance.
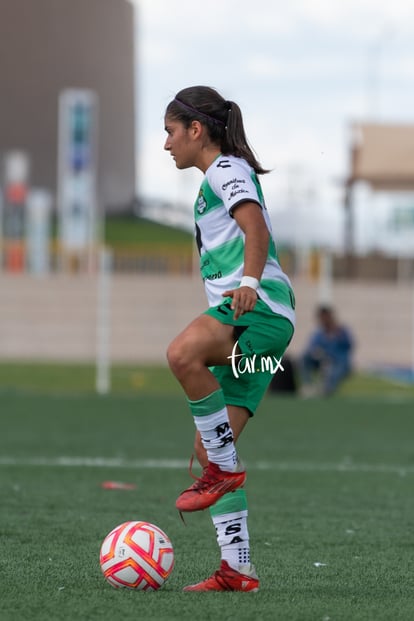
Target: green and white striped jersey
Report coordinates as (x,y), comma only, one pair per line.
(228,182)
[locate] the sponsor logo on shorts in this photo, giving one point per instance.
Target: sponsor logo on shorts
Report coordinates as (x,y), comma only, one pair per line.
(241,364)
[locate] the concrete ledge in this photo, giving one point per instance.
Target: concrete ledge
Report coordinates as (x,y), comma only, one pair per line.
(55,318)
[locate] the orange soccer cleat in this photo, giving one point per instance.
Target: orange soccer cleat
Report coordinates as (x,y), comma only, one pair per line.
(211,486)
(228,579)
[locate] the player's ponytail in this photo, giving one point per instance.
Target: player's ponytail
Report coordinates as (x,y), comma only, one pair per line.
(234,140)
(222,118)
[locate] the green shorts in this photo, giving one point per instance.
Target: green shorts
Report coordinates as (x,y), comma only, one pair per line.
(262,338)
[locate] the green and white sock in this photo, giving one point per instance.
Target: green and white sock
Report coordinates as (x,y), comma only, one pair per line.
(212,421)
(229,515)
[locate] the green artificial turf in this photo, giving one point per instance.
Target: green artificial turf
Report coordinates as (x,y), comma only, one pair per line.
(59,377)
(124,232)
(330,495)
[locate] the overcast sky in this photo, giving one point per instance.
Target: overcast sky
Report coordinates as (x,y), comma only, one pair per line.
(300,70)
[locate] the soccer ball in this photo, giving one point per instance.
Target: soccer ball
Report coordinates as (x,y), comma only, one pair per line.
(137,555)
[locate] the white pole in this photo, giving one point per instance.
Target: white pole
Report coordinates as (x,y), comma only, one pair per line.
(325,278)
(103,328)
(1,230)
(38,217)
(412,332)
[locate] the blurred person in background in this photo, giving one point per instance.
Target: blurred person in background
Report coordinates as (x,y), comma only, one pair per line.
(251,315)
(327,359)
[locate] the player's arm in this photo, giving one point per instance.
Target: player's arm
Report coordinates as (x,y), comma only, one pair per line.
(249,217)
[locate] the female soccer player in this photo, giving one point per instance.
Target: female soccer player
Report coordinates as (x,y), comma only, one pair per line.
(250,316)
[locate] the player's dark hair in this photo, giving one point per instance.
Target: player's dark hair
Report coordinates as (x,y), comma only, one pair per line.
(222,118)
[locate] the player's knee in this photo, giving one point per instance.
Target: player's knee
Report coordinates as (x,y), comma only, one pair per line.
(178,359)
(173,356)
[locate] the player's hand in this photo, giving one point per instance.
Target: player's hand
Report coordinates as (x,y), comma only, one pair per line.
(243,300)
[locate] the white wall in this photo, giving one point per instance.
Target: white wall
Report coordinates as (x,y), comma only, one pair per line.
(55,318)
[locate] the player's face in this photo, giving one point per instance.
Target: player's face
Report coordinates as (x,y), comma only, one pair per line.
(181,143)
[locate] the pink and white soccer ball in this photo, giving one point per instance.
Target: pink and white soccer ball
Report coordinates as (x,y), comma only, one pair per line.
(137,555)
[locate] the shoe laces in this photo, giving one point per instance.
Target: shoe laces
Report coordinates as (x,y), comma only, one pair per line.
(206,478)
(223,577)
(220,579)
(200,482)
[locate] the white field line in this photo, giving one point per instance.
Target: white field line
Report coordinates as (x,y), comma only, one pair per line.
(178,464)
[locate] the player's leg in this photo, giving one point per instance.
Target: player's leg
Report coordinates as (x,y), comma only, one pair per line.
(229,515)
(238,418)
(334,373)
(310,368)
(204,343)
(209,341)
